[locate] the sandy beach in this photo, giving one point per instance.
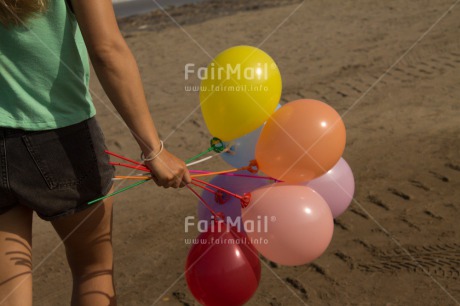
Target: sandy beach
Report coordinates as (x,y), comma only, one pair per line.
(390,68)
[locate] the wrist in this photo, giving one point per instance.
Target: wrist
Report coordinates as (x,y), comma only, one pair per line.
(152,154)
(151,147)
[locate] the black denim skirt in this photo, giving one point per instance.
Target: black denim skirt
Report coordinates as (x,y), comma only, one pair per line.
(54,172)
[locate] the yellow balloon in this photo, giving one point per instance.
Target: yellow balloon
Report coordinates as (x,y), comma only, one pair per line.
(240,89)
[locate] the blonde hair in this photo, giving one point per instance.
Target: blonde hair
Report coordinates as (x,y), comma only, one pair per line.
(15,12)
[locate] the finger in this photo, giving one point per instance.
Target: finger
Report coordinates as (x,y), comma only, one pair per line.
(176,185)
(163,183)
(176,182)
(155,179)
(183,182)
(171,182)
(187,178)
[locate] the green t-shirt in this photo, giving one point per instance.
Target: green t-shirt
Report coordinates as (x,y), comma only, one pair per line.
(44,72)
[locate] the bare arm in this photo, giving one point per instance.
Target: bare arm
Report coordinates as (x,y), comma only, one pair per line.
(119,75)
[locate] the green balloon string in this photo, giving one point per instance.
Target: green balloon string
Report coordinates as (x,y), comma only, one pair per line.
(216,145)
(199,155)
(118,191)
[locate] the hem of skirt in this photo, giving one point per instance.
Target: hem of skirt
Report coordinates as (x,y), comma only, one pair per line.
(75,210)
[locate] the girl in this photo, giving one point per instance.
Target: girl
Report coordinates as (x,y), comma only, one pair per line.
(52,158)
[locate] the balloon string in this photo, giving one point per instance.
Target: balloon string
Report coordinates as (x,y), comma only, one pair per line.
(142,168)
(239,175)
(253,176)
(204,202)
(133,177)
(204,187)
(199,155)
(204,159)
(216,173)
(124,158)
(199,161)
(216,145)
(117,192)
(219,188)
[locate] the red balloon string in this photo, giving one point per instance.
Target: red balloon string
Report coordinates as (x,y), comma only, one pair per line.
(219,188)
(204,202)
(204,187)
(142,168)
(124,158)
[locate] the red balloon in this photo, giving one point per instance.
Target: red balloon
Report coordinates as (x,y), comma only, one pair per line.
(223,268)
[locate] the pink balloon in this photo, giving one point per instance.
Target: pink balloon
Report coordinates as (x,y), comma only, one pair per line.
(336,186)
(296,223)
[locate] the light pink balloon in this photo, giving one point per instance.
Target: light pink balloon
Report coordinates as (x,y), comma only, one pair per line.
(299,223)
(336,186)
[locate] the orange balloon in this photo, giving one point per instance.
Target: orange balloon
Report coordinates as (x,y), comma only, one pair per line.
(301,141)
